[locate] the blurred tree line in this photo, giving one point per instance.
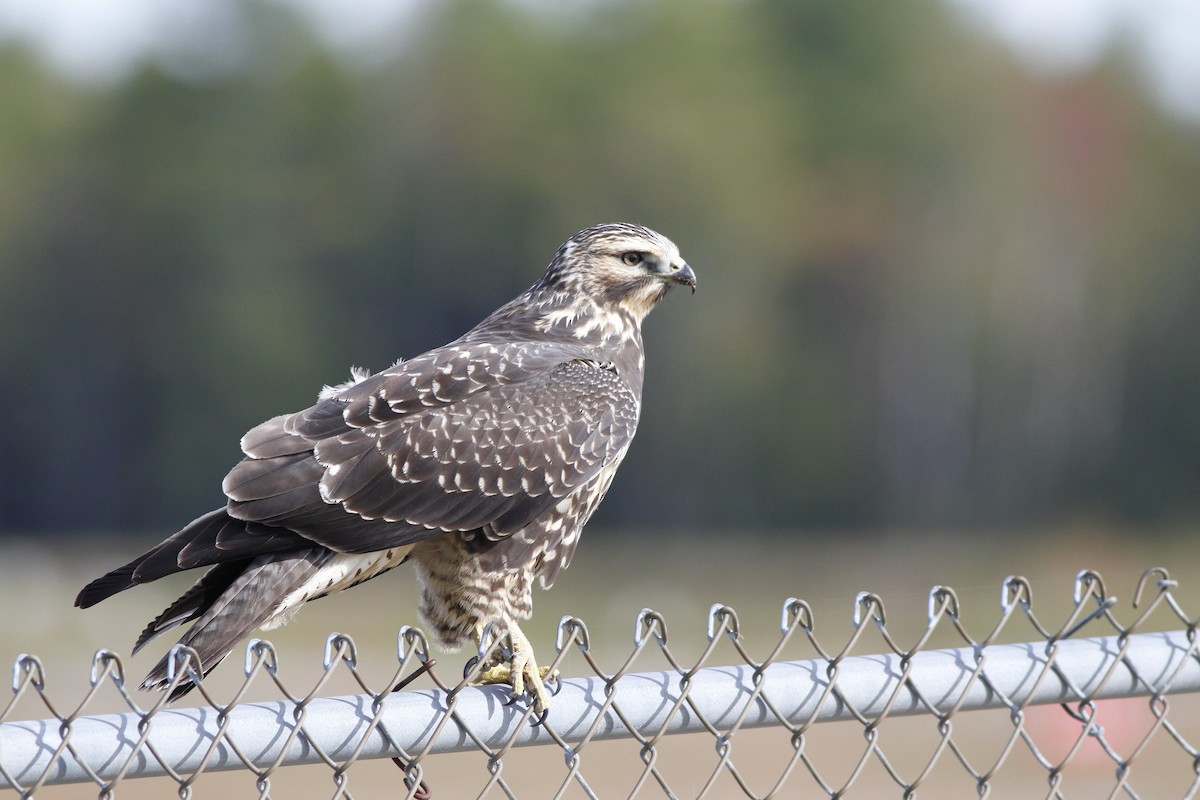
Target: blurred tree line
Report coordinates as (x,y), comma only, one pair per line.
(934,289)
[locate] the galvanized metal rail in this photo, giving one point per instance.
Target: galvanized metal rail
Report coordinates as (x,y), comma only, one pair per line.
(797,692)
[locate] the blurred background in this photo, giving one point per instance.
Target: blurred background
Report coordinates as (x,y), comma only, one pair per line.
(949,250)
(948,256)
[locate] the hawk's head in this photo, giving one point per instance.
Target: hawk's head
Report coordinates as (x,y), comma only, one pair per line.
(618,265)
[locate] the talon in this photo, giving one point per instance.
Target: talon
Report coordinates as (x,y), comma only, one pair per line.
(470,665)
(540,719)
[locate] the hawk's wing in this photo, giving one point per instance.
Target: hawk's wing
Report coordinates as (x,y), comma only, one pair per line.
(466,437)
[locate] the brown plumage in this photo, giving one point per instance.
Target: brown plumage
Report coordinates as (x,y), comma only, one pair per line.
(479,462)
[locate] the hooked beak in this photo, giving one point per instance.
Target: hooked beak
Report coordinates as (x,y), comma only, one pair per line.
(682,274)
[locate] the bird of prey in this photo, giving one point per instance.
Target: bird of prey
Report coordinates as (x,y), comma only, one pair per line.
(479,462)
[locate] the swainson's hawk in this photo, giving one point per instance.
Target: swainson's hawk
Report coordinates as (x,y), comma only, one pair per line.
(479,462)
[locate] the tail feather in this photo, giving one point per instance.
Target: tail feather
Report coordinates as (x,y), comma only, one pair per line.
(213,538)
(242,606)
(108,584)
(194,602)
(157,562)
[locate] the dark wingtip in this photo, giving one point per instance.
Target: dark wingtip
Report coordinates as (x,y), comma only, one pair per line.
(106,586)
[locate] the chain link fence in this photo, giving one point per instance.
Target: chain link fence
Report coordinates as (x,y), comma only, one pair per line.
(953,714)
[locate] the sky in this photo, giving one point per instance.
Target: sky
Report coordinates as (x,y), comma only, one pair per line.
(1072,35)
(101,39)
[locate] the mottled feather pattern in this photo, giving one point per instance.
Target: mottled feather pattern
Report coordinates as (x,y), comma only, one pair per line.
(455,465)
(479,461)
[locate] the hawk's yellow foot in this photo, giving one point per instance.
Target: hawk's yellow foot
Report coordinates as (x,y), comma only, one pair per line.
(522,673)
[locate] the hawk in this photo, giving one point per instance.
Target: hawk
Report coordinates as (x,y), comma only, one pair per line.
(478,462)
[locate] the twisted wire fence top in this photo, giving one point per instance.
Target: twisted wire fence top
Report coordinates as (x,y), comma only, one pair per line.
(756,712)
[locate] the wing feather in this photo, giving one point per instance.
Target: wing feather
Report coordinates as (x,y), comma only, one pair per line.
(262,478)
(351,463)
(274,438)
(468,437)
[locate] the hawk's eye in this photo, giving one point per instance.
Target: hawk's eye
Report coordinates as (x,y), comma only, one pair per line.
(632,259)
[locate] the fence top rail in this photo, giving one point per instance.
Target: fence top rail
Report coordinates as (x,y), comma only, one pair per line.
(796,693)
(705,695)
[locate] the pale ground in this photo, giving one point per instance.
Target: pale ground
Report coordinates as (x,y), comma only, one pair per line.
(681,577)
